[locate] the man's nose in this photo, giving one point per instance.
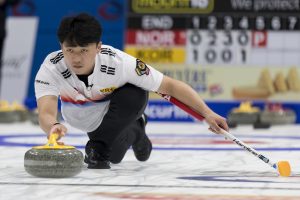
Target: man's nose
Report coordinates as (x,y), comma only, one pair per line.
(76,58)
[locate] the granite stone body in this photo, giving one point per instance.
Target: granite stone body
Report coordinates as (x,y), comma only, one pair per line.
(284,117)
(53,163)
(243,118)
(12,116)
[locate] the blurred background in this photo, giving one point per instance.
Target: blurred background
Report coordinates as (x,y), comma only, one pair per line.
(229,51)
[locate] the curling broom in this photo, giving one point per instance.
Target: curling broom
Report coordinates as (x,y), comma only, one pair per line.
(282,167)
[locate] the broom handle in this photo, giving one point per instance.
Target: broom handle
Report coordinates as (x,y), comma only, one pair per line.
(227,134)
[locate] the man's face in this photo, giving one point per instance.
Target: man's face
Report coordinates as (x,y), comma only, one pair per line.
(81,60)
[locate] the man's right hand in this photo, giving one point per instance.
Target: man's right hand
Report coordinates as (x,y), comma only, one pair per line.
(59,129)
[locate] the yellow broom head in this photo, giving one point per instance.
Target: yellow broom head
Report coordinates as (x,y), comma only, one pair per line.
(284,168)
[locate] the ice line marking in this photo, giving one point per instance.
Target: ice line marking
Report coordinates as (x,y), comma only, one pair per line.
(146,186)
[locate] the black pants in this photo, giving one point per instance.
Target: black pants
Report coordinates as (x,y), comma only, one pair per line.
(121,126)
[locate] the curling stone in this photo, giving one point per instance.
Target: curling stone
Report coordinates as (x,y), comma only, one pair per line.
(53,160)
(20,110)
(276,114)
(7,115)
(12,113)
(244,114)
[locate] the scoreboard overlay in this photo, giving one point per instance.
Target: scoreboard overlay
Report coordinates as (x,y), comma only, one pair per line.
(221,47)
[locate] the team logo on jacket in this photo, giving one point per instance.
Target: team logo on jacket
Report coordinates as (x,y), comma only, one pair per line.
(108,90)
(141,68)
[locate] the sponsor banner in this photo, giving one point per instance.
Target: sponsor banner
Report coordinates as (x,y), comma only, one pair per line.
(172,7)
(155,38)
(157,55)
(161,110)
(246,7)
(17,58)
(165,111)
(258,6)
(237,83)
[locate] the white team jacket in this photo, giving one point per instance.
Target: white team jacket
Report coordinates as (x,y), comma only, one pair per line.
(84,107)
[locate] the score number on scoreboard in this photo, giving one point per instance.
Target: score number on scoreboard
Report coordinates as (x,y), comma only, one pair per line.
(243,40)
(215,32)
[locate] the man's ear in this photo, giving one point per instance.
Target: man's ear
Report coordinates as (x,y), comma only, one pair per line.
(99,47)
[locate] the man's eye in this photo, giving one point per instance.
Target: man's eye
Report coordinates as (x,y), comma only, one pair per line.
(69,50)
(84,50)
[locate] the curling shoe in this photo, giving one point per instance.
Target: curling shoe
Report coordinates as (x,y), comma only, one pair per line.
(96,161)
(142,147)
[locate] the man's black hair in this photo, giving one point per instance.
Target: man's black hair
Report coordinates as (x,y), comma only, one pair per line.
(79,30)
